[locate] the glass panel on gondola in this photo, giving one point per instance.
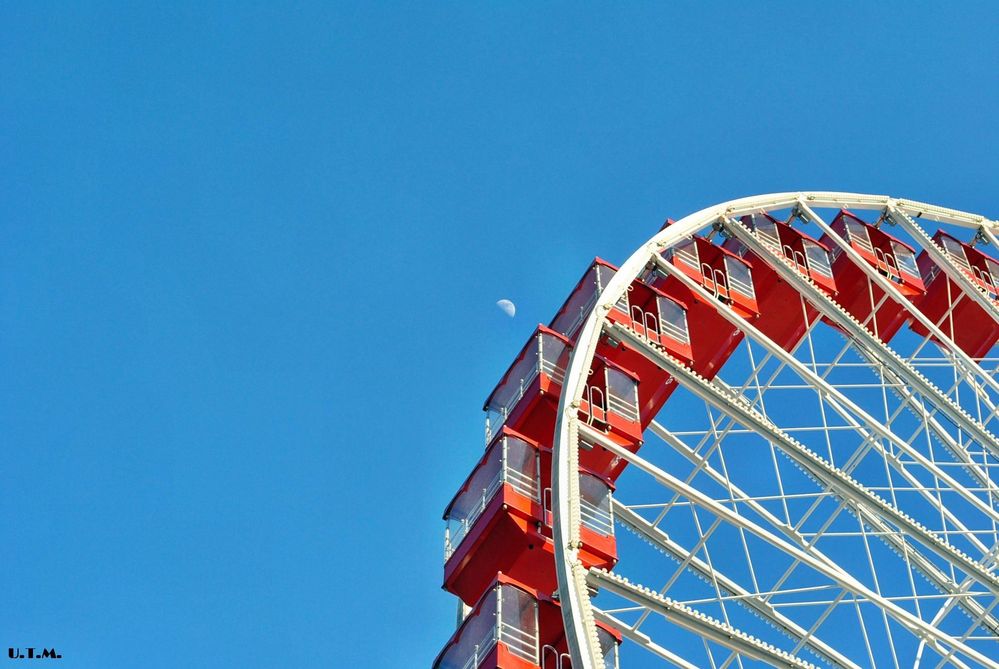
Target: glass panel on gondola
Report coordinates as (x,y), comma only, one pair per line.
(766,230)
(508,460)
(740,279)
(622,394)
(609,648)
(513,386)
(579,304)
(505,615)
(955,250)
(595,504)
(857,233)
(905,260)
(554,356)
(483,484)
(604,275)
(686,251)
(520,467)
(991,277)
(623,301)
(518,625)
(818,259)
(673,320)
(545,354)
(475,638)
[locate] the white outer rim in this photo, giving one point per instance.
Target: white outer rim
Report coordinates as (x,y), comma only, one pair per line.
(580,628)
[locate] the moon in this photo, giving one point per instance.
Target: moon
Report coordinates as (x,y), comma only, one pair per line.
(507,307)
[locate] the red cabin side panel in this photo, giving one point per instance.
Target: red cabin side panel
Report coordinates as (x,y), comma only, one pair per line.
(960,318)
(513,535)
(967,325)
(858,295)
(505,659)
(496,542)
(782,317)
(655,384)
(713,339)
(534,415)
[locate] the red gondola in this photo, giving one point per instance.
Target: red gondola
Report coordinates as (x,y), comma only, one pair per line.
(514,626)
(959,317)
(892,257)
(655,316)
(720,271)
(729,278)
(500,520)
(784,316)
(526,399)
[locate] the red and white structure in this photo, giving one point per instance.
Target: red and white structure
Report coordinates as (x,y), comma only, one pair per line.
(768,439)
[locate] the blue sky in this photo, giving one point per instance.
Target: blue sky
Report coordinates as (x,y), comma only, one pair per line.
(249,259)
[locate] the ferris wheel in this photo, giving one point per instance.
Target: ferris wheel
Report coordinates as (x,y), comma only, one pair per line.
(768,439)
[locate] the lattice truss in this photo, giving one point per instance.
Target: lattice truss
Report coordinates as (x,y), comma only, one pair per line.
(837,504)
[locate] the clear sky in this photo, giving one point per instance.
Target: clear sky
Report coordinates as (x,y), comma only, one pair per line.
(249,260)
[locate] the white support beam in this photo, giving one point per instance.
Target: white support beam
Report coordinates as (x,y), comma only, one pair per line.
(901,389)
(944,262)
(843,485)
(943,214)
(690,619)
(893,363)
(756,604)
(642,640)
(885,284)
(936,637)
(938,577)
(843,405)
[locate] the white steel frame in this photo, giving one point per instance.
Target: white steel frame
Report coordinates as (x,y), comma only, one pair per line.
(959,558)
